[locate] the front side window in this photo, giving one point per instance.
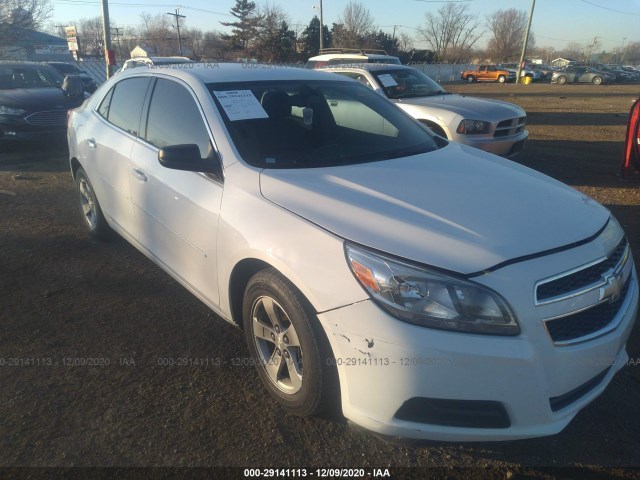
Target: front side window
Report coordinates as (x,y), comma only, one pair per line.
(407,83)
(175,119)
(127,99)
(301,124)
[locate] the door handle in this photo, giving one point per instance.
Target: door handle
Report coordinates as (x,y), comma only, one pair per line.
(139,174)
(92,143)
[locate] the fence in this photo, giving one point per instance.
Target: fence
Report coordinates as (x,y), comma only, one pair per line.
(443,72)
(440,72)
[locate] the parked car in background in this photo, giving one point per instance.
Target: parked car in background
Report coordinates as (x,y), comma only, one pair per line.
(342,56)
(154,62)
(491,125)
(546,71)
(488,73)
(88,83)
(535,75)
(573,74)
(34,100)
(430,289)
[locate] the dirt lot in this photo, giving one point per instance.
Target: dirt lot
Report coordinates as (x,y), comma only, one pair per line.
(66,297)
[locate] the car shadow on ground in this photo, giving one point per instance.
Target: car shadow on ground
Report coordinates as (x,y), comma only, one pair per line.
(49,156)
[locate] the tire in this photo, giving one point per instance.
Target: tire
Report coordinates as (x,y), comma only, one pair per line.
(90,208)
(471,79)
(502,79)
(288,345)
(562,80)
(597,80)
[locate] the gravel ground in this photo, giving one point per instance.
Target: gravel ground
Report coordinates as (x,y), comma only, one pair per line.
(66,297)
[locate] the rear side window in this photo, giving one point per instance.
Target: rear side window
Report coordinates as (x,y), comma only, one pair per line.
(126,103)
(103,109)
(175,119)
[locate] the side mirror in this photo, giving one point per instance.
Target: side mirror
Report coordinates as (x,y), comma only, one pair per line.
(187,158)
(72,87)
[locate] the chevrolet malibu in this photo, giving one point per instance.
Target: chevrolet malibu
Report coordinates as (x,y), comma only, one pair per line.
(490,125)
(429,289)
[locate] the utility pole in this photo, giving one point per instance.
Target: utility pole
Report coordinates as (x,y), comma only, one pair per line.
(178,17)
(321,27)
(526,40)
(118,35)
(395,27)
(593,45)
(106,32)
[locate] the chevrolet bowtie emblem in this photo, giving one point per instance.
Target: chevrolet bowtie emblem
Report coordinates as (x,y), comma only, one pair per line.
(613,287)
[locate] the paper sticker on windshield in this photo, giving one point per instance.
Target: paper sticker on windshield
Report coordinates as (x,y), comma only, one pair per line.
(387,80)
(240,105)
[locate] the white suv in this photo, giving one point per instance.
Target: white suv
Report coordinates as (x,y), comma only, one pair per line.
(432,289)
(350,56)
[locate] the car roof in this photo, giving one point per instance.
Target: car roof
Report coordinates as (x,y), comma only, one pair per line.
(235,72)
(372,67)
(161,59)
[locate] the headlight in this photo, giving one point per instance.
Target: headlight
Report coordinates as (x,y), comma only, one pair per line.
(4,110)
(416,295)
(473,127)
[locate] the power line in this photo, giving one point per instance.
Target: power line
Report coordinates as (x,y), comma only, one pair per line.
(611,9)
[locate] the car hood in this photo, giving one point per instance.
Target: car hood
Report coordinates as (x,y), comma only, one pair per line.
(466,107)
(456,208)
(37,99)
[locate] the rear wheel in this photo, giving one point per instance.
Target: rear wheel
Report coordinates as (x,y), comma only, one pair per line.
(471,79)
(597,80)
(562,80)
(90,208)
(502,79)
(288,345)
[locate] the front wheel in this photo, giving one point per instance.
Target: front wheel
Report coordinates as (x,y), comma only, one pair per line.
(597,80)
(502,79)
(471,79)
(288,345)
(90,208)
(562,80)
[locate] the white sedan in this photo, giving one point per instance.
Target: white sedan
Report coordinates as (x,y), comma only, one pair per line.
(490,125)
(429,289)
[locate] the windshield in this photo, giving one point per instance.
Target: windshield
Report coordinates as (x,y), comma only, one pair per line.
(406,83)
(300,124)
(29,76)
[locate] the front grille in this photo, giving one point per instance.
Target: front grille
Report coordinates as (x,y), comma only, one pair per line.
(513,126)
(588,321)
(581,279)
(50,118)
(562,401)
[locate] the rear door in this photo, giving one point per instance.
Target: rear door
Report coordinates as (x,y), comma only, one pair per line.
(177,211)
(110,140)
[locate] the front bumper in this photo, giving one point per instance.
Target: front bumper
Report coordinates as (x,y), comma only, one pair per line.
(504,146)
(384,363)
(17,129)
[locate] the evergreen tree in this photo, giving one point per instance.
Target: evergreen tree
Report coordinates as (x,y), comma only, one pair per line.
(246,27)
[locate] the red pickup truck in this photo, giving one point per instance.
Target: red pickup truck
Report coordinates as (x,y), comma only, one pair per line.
(488,73)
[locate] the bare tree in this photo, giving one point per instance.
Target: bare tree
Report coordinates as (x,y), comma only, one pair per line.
(214,47)
(405,42)
(18,14)
(275,40)
(574,50)
(451,33)
(155,32)
(90,36)
(354,27)
(508,28)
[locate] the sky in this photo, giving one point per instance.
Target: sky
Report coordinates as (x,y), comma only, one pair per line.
(555,22)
